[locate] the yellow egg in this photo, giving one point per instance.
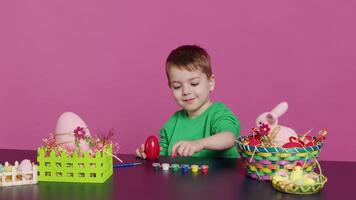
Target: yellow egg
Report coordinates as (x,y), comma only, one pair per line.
(299,181)
(279,178)
(308,181)
(296,174)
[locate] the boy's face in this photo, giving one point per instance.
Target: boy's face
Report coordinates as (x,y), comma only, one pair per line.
(191,89)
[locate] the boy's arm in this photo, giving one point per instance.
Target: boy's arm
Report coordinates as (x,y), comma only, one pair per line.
(226,128)
(163,142)
(218,141)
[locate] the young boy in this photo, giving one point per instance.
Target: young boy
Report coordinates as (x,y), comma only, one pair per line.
(201,128)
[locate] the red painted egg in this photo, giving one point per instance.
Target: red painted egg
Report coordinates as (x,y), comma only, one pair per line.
(292,145)
(310,144)
(254,142)
(152,147)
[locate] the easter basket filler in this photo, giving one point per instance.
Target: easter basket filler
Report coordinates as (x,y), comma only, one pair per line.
(71,154)
(299,181)
(271,147)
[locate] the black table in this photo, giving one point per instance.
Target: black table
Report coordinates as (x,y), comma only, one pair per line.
(225,180)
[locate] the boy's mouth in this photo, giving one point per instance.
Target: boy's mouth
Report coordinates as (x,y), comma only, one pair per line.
(190,100)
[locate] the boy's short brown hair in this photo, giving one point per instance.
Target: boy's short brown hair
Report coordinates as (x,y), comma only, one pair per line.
(191,58)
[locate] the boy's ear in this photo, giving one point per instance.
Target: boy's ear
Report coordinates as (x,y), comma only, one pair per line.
(212,82)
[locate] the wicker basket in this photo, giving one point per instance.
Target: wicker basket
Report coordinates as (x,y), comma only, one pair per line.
(263,162)
(291,188)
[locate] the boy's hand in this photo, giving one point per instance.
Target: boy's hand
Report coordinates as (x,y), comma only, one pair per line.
(187,148)
(140,152)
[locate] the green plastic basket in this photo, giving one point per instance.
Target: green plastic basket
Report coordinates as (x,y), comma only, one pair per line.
(83,169)
(263,162)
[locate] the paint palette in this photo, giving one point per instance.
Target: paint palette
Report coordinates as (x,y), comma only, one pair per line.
(184,168)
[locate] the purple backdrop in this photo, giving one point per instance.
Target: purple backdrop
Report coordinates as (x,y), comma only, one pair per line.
(104,60)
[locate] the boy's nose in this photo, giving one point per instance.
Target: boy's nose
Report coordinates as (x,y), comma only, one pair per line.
(186,91)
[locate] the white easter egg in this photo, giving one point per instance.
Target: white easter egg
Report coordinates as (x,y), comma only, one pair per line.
(25,166)
(66,124)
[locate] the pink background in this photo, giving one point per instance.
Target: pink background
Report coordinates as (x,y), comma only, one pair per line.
(104,60)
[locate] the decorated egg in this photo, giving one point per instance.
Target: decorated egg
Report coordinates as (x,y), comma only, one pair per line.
(7,167)
(308,181)
(293,142)
(292,145)
(254,142)
(68,125)
(152,147)
(296,174)
(25,166)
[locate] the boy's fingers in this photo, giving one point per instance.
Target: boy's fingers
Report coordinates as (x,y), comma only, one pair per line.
(180,149)
(186,151)
(143,155)
(191,152)
(174,148)
(138,153)
(142,148)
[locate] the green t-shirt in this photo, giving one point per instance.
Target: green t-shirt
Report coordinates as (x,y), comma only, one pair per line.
(215,119)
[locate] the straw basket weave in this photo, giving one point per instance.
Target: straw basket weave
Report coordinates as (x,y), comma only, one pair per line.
(263,162)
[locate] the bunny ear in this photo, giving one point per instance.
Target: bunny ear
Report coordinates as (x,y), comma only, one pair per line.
(280,109)
(271,118)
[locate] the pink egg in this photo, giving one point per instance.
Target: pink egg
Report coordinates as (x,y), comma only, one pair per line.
(64,132)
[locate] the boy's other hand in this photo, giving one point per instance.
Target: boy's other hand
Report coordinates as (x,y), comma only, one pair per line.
(186,148)
(140,152)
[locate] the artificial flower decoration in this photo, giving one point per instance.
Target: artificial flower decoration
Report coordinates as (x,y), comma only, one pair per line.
(96,143)
(51,144)
(264,129)
(79,133)
(255,133)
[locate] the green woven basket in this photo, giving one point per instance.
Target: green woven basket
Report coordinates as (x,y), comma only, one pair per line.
(306,189)
(289,187)
(263,162)
(84,169)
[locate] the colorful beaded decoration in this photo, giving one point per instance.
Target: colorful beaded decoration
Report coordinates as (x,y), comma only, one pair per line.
(184,168)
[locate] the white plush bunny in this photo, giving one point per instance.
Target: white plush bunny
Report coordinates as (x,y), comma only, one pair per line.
(280,134)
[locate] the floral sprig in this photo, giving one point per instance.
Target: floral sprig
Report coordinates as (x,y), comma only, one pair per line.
(260,135)
(95,143)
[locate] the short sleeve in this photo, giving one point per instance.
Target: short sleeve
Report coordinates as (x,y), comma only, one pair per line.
(166,134)
(225,121)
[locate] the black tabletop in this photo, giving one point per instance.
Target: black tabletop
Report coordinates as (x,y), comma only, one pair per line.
(225,180)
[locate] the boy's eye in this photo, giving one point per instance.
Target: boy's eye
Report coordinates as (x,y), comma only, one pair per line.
(176,87)
(194,84)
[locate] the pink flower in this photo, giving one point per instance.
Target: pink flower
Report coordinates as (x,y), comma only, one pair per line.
(69,149)
(254,131)
(264,129)
(79,133)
